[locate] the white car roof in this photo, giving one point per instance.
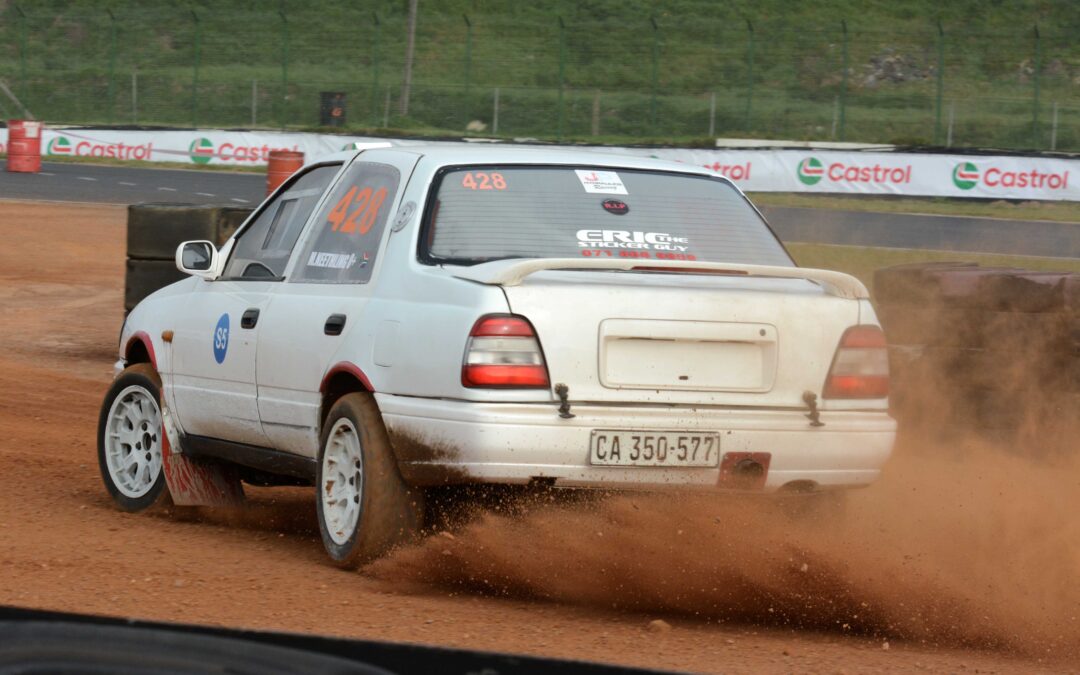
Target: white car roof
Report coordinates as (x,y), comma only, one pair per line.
(451,154)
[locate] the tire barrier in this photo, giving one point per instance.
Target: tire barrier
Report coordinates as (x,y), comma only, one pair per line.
(155,230)
(994,351)
(24,146)
(282,164)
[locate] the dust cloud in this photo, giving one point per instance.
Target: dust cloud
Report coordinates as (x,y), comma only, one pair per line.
(963,544)
(971,536)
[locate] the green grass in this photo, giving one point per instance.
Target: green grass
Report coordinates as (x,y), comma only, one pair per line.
(654,84)
(1032,210)
(861,262)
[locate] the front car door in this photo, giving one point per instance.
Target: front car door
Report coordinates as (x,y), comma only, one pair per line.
(321,306)
(214,345)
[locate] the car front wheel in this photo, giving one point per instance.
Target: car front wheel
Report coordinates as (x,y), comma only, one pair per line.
(130,439)
(364,506)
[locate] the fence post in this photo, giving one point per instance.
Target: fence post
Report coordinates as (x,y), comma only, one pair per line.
(468,53)
(843,81)
(375,68)
(495,114)
(712,114)
(596,114)
(195,74)
(952,119)
(835,116)
(1035,98)
(284,110)
(111,97)
(655,73)
(1053,128)
(410,54)
(22,51)
(562,76)
(940,82)
(749,71)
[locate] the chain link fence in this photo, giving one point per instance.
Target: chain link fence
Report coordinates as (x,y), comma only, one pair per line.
(638,80)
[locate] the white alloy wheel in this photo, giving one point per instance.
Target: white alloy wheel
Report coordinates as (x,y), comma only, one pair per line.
(341,490)
(133,441)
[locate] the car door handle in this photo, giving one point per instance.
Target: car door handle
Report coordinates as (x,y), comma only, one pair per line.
(250,318)
(335,324)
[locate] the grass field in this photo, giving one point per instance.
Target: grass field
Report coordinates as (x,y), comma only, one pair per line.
(601,70)
(1030,210)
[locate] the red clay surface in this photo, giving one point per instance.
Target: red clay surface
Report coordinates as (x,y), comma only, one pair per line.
(962,559)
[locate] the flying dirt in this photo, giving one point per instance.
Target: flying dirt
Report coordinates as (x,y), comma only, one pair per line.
(959,545)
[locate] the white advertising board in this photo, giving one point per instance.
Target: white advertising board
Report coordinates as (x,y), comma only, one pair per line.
(754,170)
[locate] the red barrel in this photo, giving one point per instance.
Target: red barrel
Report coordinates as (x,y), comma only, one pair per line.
(283,163)
(24,146)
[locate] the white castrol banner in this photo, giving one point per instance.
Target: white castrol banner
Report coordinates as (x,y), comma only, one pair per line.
(754,170)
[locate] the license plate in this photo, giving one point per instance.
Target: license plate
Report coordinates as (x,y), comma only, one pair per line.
(654,448)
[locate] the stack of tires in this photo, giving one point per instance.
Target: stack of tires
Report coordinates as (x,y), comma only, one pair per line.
(993,352)
(155,230)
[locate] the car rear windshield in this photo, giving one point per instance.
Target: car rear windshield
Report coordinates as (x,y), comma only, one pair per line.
(484,213)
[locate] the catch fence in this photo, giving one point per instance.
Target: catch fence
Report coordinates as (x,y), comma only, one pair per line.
(665,79)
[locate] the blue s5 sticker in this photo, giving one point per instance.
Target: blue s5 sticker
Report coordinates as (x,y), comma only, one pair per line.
(221,338)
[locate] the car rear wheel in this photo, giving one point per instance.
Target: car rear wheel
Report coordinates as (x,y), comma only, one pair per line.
(130,439)
(364,506)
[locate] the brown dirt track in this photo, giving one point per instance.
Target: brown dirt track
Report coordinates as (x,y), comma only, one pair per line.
(962,559)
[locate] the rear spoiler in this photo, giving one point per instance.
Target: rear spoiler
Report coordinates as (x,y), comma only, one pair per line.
(513,272)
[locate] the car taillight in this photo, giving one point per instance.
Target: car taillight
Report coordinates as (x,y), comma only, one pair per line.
(860,368)
(503,352)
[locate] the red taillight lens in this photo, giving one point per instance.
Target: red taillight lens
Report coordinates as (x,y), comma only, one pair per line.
(498,325)
(503,351)
(860,368)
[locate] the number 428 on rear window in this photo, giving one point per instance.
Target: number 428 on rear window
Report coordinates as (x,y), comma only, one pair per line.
(480,180)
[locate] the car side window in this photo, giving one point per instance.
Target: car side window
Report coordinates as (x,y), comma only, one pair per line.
(263,249)
(347,231)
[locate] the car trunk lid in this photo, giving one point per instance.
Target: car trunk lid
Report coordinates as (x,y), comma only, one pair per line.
(682,336)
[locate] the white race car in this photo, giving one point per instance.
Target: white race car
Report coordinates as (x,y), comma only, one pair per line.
(399,318)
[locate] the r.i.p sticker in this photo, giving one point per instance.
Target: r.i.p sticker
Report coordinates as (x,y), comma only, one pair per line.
(601,182)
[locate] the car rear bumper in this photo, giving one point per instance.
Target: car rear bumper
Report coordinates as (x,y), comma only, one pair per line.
(440,442)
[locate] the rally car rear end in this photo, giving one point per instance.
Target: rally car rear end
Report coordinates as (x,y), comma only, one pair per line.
(672,342)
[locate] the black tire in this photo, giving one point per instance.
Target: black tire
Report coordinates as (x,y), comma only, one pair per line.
(141,376)
(390,512)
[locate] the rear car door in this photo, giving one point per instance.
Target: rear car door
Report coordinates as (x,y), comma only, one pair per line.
(322,307)
(215,340)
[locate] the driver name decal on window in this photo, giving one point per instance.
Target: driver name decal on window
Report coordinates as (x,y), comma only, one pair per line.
(337,261)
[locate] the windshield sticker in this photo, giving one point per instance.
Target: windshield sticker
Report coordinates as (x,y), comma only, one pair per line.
(645,241)
(615,206)
(479,180)
(601,182)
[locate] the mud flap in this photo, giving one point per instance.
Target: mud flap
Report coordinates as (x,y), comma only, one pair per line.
(194,483)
